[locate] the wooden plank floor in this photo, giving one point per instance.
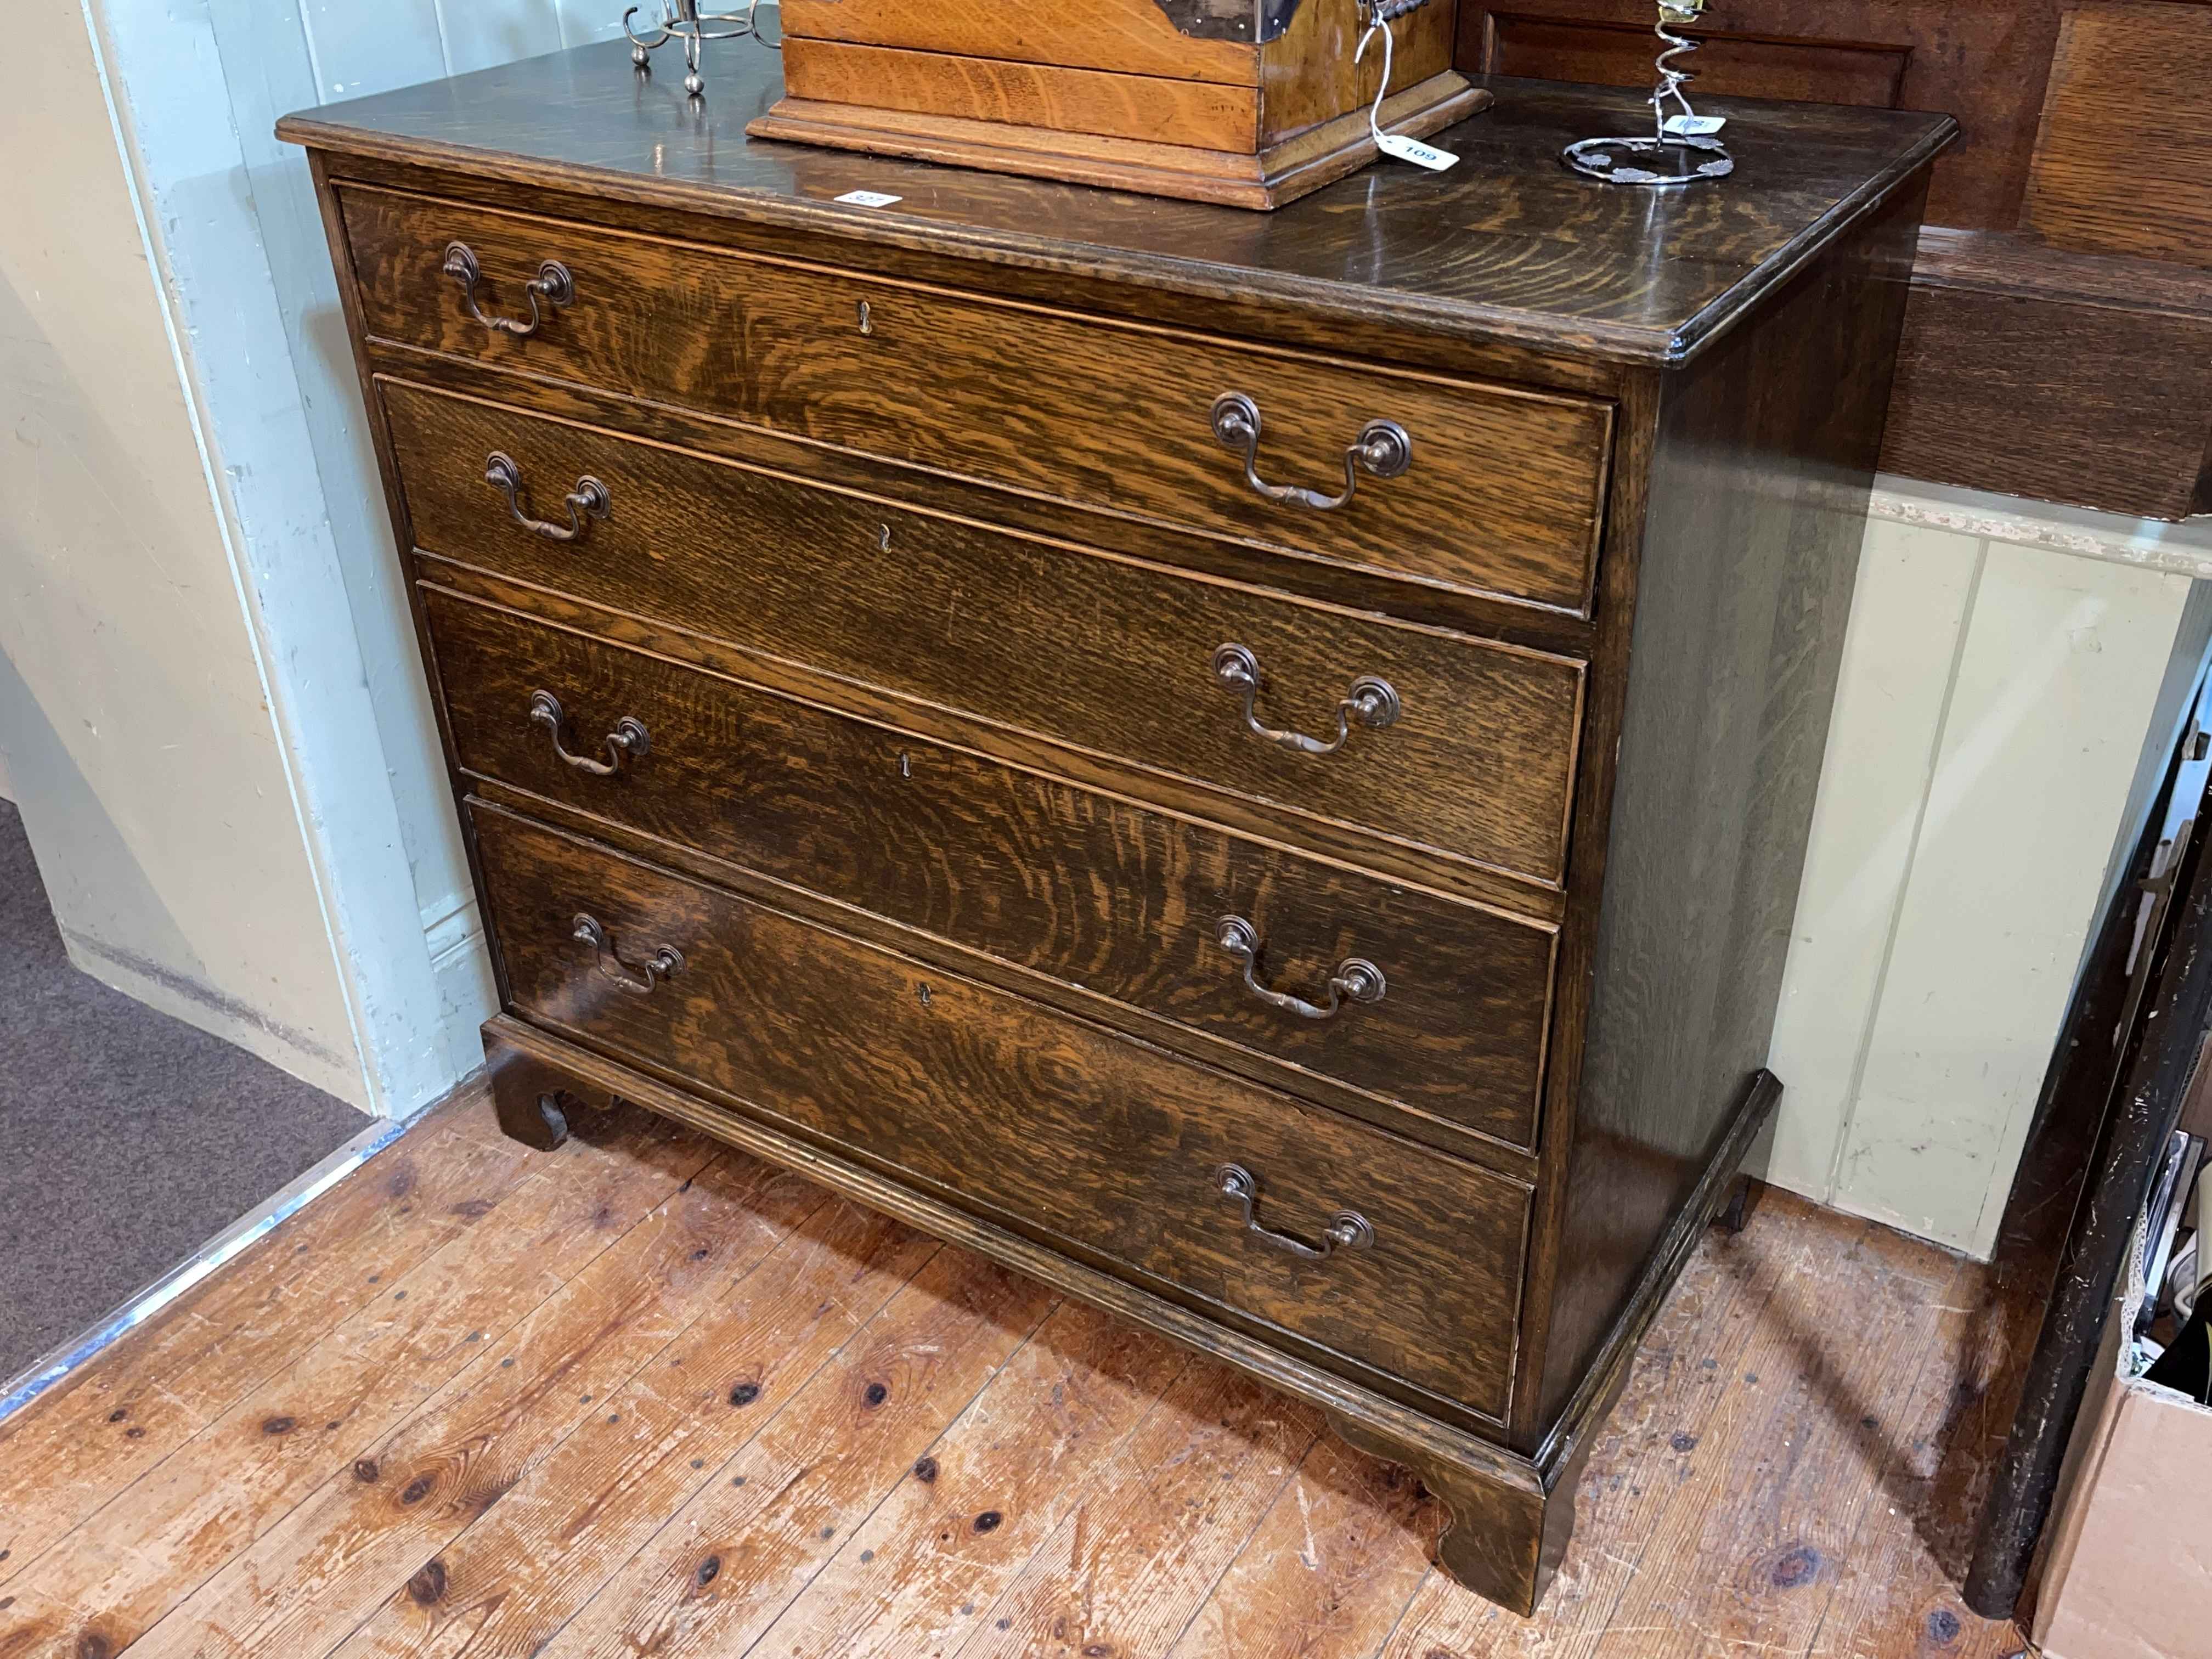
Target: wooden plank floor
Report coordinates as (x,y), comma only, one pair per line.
(645,1396)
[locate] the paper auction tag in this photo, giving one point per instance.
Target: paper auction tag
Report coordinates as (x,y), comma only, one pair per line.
(868,198)
(1694,126)
(1413,150)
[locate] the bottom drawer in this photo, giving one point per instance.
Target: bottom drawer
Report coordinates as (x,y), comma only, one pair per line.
(1020,1112)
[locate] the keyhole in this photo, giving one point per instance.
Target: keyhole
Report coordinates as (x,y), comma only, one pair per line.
(868,321)
(883,538)
(906,765)
(923,992)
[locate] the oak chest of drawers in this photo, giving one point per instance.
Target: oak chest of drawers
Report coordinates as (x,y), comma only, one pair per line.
(1257,769)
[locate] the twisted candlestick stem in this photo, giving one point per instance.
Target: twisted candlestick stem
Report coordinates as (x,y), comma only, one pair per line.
(1671,79)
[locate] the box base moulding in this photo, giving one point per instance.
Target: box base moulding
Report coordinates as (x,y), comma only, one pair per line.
(1267,178)
(1511,1516)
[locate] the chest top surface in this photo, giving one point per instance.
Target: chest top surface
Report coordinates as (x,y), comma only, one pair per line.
(1507,245)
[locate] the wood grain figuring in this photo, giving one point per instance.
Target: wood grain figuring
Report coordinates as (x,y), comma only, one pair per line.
(2070,377)
(1185,1505)
(2124,161)
(1046,1121)
(1131,37)
(1349,587)
(1502,496)
(1205,113)
(1109,656)
(2035,375)
(1226,312)
(1012,863)
(1621,577)
(1420,871)
(1495,1494)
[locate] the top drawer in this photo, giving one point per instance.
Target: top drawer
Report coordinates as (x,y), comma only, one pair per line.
(1499,492)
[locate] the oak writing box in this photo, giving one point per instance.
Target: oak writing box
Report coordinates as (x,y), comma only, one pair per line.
(1252,103)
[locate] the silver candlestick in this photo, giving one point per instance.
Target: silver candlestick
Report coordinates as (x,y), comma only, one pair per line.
(1681,149)
(681,20)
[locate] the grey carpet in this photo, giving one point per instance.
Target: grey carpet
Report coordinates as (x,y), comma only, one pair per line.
(127,1139)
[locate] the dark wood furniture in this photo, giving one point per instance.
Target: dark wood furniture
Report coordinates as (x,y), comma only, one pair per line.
(1252,103)
(2059,340)
(2128,1067)
(870,666)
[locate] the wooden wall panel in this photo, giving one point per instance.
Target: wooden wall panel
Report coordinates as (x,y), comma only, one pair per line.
(2066,377)
(2124,164)
(1619,54)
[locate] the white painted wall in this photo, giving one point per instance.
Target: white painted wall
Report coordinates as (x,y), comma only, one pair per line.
(132,698)
(237,65)
(209,692)
(2012,680)
(210,701)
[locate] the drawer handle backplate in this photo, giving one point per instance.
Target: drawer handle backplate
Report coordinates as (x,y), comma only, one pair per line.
(1356,979)
(628,740)
(1372,702)
(666,962)
(1385,450)
(553,284)
(1348,1230)
(587,501)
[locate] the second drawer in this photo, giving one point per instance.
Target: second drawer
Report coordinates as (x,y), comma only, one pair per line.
(1443,742)
(1082,887)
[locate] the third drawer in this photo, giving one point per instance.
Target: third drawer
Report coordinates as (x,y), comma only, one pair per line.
(1081,887)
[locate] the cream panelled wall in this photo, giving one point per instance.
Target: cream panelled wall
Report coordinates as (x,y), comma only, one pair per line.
(1987,761)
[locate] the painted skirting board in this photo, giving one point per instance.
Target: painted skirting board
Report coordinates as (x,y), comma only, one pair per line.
(2011,676)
